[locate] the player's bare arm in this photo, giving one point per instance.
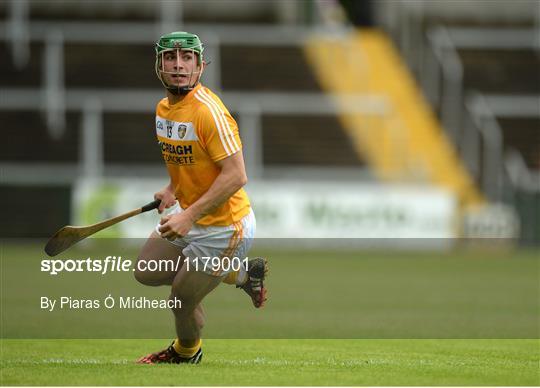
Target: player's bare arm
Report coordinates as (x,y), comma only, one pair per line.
(167,197)
(231,179)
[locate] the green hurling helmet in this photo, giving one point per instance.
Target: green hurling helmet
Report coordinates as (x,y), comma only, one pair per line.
(181,40)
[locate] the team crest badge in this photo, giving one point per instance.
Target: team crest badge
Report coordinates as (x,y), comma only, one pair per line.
(182,131)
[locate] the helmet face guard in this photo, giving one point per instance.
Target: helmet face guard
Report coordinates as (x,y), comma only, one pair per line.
(179,61)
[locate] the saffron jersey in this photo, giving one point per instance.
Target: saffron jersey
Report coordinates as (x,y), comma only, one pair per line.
(193,135)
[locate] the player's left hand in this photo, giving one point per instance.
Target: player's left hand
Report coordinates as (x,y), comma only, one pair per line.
(175,225)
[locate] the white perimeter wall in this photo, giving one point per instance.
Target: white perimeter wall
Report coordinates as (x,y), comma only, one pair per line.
(285,210)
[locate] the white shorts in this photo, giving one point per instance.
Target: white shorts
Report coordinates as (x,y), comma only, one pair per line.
(216,250)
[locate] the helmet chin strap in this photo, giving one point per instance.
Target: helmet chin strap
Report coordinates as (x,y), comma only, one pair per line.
(181,91)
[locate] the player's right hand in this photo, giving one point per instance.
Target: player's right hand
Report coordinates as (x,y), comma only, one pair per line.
(167,199)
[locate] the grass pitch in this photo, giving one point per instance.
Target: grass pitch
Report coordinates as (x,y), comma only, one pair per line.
(482,305)
(276,362)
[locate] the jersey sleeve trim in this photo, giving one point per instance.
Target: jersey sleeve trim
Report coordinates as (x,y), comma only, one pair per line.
(217,159)
(229,135)
(226,135)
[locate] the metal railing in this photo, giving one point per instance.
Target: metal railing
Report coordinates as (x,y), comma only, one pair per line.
(471,121)
(434,57)
(54,88)
(249,106)
(483,109)
(55,100)
(17,28)
(440,61)
(471,118)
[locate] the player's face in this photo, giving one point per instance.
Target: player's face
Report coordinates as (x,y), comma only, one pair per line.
(180,67)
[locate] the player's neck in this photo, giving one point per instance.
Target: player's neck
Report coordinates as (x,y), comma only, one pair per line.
(175,98)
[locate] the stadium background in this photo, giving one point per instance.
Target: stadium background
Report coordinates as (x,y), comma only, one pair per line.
(366,125)
(427,94)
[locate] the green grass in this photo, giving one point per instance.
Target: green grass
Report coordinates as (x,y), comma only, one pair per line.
(313,294)
(418,318)
(276,362)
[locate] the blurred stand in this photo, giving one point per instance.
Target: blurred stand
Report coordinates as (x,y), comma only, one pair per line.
(79,85)
(478,67)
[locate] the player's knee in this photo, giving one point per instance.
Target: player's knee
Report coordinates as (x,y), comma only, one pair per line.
(140,277)
(144,277)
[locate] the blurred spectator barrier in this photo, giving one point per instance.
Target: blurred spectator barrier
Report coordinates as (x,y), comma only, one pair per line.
(377,215)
